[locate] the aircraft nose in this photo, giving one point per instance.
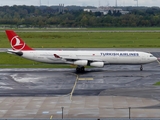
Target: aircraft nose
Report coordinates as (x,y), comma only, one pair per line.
(155,58)
(158,59)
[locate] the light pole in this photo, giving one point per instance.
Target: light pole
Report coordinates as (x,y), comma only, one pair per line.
(116,3)
(137,2)
(129,112)
(62,112)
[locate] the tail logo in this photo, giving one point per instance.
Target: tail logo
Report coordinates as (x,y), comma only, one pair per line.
(17,44)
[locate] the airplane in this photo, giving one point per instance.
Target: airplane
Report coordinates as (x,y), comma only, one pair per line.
(78,58)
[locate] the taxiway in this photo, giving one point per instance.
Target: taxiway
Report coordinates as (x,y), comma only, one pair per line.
(95,81)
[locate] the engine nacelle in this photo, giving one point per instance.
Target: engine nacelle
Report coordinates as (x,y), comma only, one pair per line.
(81,62)
(97,64)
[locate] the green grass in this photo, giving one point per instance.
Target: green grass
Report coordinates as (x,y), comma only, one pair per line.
(158,84)
(86,40)
(126,28)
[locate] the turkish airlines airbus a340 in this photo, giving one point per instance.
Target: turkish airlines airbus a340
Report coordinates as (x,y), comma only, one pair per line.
(78,58)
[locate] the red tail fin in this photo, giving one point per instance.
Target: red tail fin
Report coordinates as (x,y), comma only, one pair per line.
(16,42)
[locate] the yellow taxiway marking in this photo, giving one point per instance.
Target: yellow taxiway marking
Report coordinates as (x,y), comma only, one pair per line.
(85,78)
(74,87)
(51,117)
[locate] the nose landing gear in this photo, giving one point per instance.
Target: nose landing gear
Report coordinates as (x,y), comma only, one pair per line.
(141,68)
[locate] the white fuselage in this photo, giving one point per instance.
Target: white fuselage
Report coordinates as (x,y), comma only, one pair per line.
(108,57)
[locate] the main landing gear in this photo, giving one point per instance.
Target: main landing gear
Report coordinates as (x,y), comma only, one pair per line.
(141,68)
(80,69)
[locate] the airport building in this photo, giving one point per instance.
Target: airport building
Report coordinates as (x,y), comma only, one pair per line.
(105,10)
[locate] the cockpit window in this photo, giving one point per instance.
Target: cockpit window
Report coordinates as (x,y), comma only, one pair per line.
(151,56)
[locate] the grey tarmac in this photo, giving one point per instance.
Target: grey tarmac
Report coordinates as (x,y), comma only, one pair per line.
(110,80)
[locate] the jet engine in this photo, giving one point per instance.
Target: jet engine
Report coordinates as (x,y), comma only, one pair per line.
(81,62)
(97,64)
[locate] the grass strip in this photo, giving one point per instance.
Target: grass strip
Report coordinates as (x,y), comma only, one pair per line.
(86,40)
(157,84)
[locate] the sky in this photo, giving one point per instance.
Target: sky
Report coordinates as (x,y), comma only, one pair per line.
(96,3)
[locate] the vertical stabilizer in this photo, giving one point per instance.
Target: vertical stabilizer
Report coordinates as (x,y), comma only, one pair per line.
(16,42)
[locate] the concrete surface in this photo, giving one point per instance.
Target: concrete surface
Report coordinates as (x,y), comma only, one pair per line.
(79,107)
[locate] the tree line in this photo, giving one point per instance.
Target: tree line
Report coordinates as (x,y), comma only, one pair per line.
(32,16)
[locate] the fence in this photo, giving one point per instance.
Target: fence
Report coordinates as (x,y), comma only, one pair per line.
(99,113)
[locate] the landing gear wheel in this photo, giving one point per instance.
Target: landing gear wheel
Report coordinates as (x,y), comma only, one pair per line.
(141,68)
(77,69)
(80,69)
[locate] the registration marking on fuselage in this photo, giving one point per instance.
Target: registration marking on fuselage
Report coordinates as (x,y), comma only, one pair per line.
(85,78)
